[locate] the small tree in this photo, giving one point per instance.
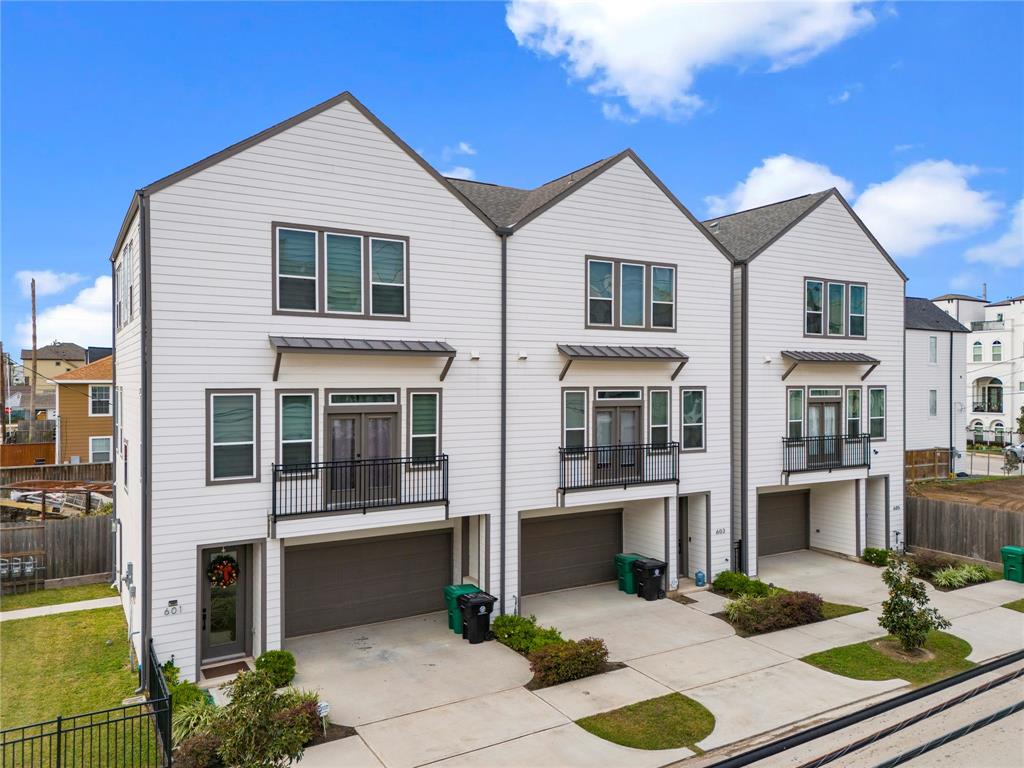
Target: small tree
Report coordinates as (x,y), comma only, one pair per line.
(906,615)
(254,732)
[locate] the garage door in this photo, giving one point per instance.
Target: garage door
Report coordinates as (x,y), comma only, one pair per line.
(345,583)
(783,522)
(569,550)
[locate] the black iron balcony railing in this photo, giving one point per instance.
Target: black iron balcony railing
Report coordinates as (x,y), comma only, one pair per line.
(358,485)
(825,452)
(602,466)
(984,406)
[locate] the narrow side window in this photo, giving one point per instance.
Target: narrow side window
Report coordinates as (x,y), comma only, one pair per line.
(663,297)
(876,412)
(853,412)
(574,420)
(296,429)
(387,278)
(693,419)
(836,309)
(795,413)
(600,293)
(659,417)
(344,273)
(631,302)
(425,428)
(296,270)
(858,310)
(813,290)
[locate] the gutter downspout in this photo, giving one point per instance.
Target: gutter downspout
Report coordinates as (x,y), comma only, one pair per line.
(744,389)
(952,446)
(145,447)
(504,233)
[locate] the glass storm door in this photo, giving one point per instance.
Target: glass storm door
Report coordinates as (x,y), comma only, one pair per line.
(223,622)
(823,429)
(617,432)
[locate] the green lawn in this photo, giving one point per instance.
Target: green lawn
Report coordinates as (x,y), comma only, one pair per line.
(64,664)
(835,610)
(668,722)
(55,596)
(1016,605)
(862,662)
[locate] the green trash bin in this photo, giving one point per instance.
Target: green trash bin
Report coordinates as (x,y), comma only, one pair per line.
(451,600)
(624,571)
(1013,563)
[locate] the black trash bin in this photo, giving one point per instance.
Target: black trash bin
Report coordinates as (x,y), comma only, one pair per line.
(476,608)
(649,575)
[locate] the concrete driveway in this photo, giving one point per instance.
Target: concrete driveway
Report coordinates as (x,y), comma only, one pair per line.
(834,578)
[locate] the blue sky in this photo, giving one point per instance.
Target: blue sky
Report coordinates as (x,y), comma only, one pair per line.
(914,110)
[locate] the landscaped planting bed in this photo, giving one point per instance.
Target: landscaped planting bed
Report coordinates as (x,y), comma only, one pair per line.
(947,573)
(943,655)
(667,722)
(553,659)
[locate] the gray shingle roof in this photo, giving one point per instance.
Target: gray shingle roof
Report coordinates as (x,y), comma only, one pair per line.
(59,350)
(507,206)
(746,232)
(829,357)
(1006,302)
(922,315)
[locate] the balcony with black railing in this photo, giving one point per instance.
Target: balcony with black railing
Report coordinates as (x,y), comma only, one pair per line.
(823,453)
(358,485)
(994,405)
(610,466)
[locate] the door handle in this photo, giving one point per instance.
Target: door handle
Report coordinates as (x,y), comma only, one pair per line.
(204,619)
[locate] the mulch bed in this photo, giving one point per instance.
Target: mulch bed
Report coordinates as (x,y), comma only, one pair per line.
(681,598)
(334,732)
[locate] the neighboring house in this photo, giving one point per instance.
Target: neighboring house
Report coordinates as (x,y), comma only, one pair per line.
(995,364)
(51,361)
(818,397)
(936,412)
(85,413)
(376,374)
(92,354)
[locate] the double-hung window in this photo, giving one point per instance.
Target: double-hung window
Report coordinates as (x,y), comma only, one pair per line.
(659,417)
(976,352)
(574,420)
(297,412)
(232,419)
(997,351)
(119,294)
(933,349)
(663,297)
(795,413)
(99,400)
(876,412)
(858,310)
(631,302)
(853,412)
(425,425)
(933,402)
(836,309)
(630,295)
(693,420)
(600,292)
(344,266)
(99,449)
(387,277)
(297,270)
(813,307)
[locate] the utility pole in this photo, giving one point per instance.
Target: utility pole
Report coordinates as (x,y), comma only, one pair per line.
(35,368)
(4,371)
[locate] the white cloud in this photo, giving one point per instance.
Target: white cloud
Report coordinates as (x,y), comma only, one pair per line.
(85,320)
(901,148)
(465,149)
(1008,250)
(649,52)
(462,148)
(845,95)
(925,204)
(48,282)
(964,281)
(617,113)
(777,178)
(459,172)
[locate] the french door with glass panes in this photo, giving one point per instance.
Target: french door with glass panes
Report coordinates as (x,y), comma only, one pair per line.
(825,443)
(617,435)
(360,447)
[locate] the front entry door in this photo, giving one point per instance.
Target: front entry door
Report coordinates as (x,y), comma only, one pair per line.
(823,427)
(224,619)
(364,443)
(617,429)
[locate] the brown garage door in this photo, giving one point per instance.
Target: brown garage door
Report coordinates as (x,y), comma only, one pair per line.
(783,522)
(569,550)
(345,583)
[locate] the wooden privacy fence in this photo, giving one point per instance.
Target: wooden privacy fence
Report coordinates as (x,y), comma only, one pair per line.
(98,472)
(926,464)
(20,454)
(962,529)
(78,546)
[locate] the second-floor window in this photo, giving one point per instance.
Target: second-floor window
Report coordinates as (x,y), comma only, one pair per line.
(795,413)
(658,409)
(876,412)
(997,351)
(99,400)
(574,419)
(933,349)
(835,308)
(296,414)
(424,424)
(231,432)
(976,352)
(693,419)
(853,412)
(630,295)
(326,272)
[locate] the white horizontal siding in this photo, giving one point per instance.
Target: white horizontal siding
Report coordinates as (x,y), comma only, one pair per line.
(925,431)
(643,528)
(834,517)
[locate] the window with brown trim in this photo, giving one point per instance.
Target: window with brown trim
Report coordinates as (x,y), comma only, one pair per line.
(630,295)
(835,308)
(232,436)
(424,424)
(658,415)
(693,411)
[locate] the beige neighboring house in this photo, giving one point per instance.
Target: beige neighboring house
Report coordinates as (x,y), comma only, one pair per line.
(52,361)
(85,409)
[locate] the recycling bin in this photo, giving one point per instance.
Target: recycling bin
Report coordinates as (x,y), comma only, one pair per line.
(451,596)
(476,609)
(1013,563)
(649,575)
(624,570)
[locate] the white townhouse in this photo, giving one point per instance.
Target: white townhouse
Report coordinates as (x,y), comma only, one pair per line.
(343,381)
(817,416)
(995,364)
(936,413)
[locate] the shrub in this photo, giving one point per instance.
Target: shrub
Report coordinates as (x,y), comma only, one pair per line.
(199,751)
(293,697)
(279,665)
(775,611)
(876,556)
(171,673)
(906,615)
(737,584)
(925,564)
(521,633)
(303,719)
(185,693)
(957,576)
(254,732)
(568,660)
(192,719)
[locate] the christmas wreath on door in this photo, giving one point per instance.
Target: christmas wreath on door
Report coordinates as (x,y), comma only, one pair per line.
(222,571)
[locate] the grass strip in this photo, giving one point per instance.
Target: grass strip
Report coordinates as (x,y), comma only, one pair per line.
(55,596)
(667,722)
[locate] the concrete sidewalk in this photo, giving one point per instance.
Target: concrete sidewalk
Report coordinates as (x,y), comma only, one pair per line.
(50,610)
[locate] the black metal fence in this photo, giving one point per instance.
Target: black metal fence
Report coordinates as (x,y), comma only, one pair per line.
(602,466)
(129,736)
(825,452)
(358,485)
